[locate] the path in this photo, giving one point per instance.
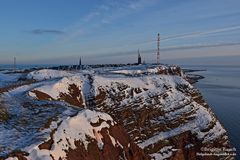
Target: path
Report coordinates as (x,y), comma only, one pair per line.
(89,92)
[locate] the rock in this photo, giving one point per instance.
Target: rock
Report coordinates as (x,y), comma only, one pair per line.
(89,135)
(160,111)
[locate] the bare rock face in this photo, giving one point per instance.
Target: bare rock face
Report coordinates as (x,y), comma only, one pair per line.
(162,113)
(41,95)
(125,149)
(89,135)
(67,89)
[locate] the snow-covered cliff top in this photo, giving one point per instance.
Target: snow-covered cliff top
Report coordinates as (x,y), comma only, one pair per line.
(159,109)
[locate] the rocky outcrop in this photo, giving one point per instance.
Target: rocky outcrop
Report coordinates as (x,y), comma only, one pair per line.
(73,96)
(161,112)
(89,135)
(159,69)
(125,149)
(67,89)
(170,120)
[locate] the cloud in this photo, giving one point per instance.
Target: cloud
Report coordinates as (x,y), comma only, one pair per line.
(104,7)
(170,48)
(91,16)
(103,15)
(201,33)
(133,6)
(46,31)
(198,46)
(190,35)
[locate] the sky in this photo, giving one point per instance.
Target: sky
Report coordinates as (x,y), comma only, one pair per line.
(112,31)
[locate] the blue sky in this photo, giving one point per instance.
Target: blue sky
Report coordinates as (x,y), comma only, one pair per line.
(111,31)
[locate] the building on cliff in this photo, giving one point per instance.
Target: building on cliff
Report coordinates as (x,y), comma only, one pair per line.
(139,58)
(80,63)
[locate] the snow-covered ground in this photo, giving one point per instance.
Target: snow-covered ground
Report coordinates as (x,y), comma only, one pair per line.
(27,117)
(6,79)
(74,129)
(155,85)
(138,85)
(47,74)
(60,86)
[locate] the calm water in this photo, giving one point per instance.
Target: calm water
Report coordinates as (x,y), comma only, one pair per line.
(10,67)
(221,89)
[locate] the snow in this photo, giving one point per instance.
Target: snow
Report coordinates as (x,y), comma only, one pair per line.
(23,128)
(152,82)
(130,72)
(79,127)
(215,132)
(155,85)
(73,129)
(201,121)
(164,153)
(137,71)
(60,86)
(47,74)
(113,140)
(12,158)
(173,101)
(144,69)
(6,79)
(189,146)
(202,116)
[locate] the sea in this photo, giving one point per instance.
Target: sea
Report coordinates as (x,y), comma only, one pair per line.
(23,66)
(221,89)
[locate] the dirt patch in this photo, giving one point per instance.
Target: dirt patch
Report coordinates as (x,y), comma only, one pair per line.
(101,96)
(48,144)
(41,95)
(74,97)
(99,123)
(19,154)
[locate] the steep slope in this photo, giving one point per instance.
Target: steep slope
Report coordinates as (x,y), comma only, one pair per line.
(68,89)
(163,113)
(89,135)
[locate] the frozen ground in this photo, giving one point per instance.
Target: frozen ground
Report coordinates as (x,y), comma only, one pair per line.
(7,79)
(27,118)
